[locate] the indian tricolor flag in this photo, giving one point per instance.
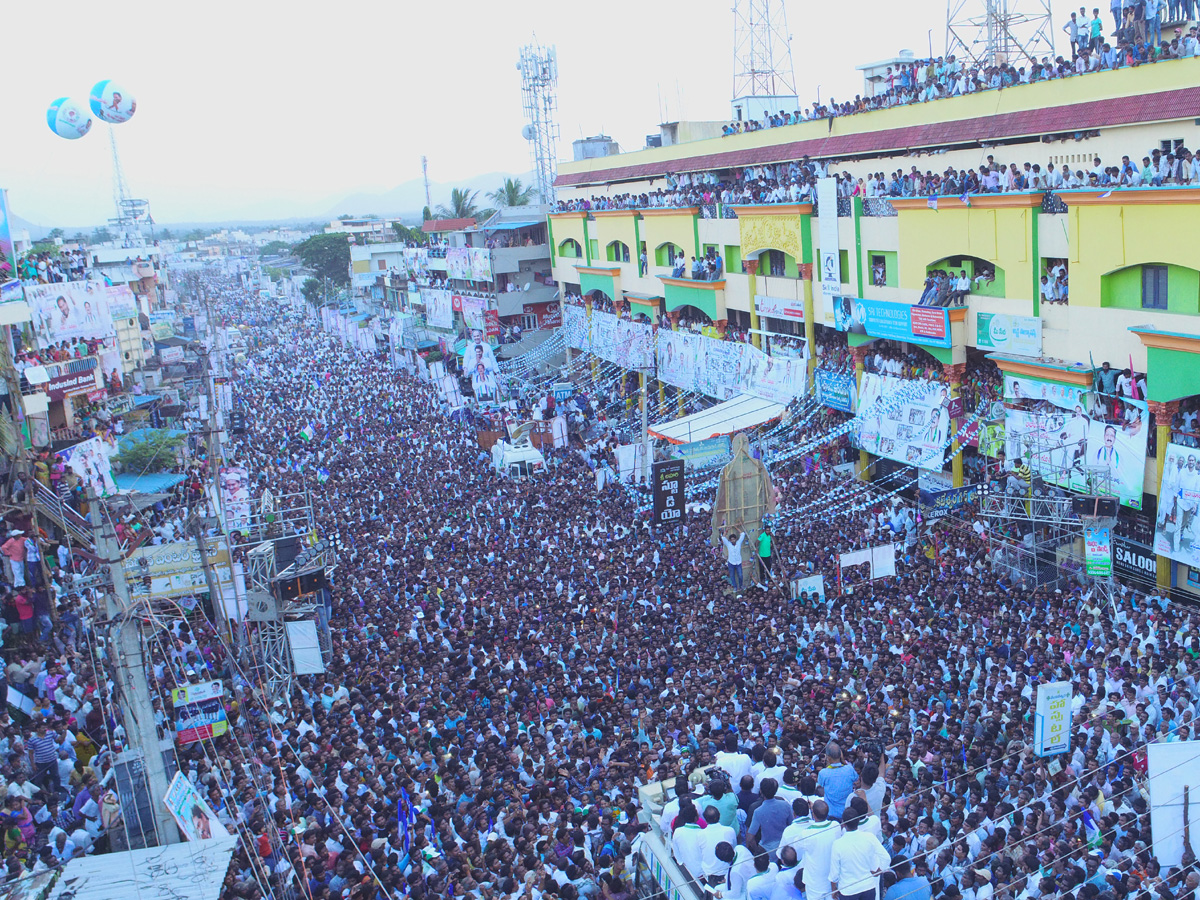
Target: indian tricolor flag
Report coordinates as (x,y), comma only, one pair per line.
(307,433)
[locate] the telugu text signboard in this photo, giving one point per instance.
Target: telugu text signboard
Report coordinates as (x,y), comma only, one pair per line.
(668,493)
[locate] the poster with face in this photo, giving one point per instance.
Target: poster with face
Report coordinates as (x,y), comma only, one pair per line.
(1177,532)
(912,430)
(479,360)
(69,311)
(91,460)
(235,497)
(1120,447)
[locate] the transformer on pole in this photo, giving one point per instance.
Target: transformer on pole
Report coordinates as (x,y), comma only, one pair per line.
(999,32)
(763,77)
(539,82)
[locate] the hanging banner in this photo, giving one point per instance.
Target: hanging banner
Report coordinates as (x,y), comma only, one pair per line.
(712,451)
(914,432)
(472,311)
(235,498)
(458,263)
(827,235)
(69,311)
(122,304)
(837,390)
(91,460)
(438,310)
(939,504)
(416,263)
(790,310)
(196,821)
(1097,550)
(896,321)
(1019,335)
(491,321)
(480,263)
(8,259)
(575,327)
(668,484)
(1064,396)
(1052,719)
(1176,530)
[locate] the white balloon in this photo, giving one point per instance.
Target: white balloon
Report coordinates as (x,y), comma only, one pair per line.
(111,102)
(68,119)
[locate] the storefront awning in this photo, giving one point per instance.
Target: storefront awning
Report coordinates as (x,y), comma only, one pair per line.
(744,411)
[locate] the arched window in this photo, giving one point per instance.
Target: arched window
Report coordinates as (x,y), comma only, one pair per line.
(570,247)
(617,252)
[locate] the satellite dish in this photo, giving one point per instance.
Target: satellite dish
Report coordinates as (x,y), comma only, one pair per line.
(527,132)
(526,288)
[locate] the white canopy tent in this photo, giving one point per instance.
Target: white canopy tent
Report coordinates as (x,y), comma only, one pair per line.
(743,411)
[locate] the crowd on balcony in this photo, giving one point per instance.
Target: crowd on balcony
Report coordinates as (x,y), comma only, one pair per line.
(1054,285)
(796,182)
(1185,424)
(1137,40)
(51,268)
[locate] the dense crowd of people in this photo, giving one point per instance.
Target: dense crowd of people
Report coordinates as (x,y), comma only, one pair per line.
(512,660)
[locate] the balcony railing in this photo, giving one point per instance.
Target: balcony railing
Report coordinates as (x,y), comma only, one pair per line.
(878,207)
(1053,204)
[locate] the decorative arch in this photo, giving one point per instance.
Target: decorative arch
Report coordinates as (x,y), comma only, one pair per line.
(617,252)
(775,263)
(570,248)
(987,278)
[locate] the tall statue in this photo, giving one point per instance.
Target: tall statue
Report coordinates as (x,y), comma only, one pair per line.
(744,496)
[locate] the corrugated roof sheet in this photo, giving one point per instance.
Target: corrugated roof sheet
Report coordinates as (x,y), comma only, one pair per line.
(1162,106)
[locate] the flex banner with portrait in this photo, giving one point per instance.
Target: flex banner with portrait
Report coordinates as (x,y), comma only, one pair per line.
(439,309)
(480,262)
(1064,438)
(479,361)
(913,432)
(235,498)
(458,263)
(1175,533)
(91,460)
(69,311)
(416,263)
(629,345)
(575,327)
(472,311)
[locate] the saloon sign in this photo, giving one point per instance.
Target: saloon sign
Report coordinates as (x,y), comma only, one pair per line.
(1134,560)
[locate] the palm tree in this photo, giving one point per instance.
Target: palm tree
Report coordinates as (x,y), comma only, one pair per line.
(512,193)
(462,205)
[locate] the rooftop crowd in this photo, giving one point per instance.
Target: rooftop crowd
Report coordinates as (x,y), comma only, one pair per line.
(512,660)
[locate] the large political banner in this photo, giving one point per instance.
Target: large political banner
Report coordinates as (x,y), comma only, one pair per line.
(91,460)
(1063,447)
(69,311)
(914,431)
(1065,396)
(458,263)
(628,344)
(439,312)
(1175,534)
(726,369)
(8,259)
(480,261)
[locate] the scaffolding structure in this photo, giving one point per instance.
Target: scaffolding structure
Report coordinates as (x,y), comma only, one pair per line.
(1034,519)
(1001,32)
(764,78)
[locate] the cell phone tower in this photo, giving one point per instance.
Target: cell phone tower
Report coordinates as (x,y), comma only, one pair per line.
(539,82)
(764,79)
(995,32)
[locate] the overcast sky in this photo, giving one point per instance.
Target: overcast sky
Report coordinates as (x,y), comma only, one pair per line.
(256,109)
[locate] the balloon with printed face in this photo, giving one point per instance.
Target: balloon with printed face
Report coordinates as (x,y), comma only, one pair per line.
(112,103)
(67,119)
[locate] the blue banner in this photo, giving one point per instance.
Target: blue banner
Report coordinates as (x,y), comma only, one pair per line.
(895,321)
(837,390)
(703,453)
(939,504)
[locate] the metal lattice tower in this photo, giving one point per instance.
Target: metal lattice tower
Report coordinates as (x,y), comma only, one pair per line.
(763,76)
(425,175)
(999,31)
(131,213)
(539,82)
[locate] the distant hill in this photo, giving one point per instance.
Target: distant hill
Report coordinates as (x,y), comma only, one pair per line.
(408,199)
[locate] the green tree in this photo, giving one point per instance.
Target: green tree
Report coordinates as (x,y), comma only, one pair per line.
(56,233)
(100,235)
(512,193)
(426,214)
(404,233)
(274,248)
(154,452)
(328,255)
(166,235)
(462,205)
(311,289)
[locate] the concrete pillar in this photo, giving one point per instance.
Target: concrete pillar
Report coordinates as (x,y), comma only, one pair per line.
(752,280)
(1163,413)
(810,319)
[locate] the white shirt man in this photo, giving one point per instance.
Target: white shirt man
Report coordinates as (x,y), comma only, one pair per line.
(710,837)
(735,763)
(687,847)
(741,871)
(814,846)
(856,861)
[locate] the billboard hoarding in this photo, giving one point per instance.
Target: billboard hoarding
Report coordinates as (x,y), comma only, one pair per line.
(1097,550)
(1019,335)
(895,321)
